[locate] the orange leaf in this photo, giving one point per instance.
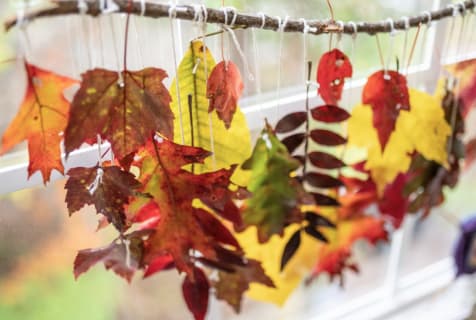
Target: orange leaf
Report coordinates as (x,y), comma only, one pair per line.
(224,89)
(41,119)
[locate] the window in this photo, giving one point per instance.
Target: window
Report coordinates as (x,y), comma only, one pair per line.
(392,276)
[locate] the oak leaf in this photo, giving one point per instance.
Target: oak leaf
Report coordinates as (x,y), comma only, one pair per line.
(224,89)
(124,109)
(42,118)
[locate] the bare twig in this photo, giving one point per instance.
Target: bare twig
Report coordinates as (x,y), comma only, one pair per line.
(217,16)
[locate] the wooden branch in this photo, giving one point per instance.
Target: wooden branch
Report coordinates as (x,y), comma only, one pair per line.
(218,16)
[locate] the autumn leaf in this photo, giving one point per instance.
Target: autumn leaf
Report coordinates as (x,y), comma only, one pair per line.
(334,67)
(465,73)
(184,230)
(276,196)
(196,292)
(229,146)
(41,119)
(230,286)
(224,89)
(123,108)
(334,258)
(387,94)
(422,129)
(124,257)
(108,188)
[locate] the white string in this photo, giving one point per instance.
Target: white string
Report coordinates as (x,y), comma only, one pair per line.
(116,49)
(172,16)
(390,50)
(450,35)
(340,24)
(463,25)
(352,58)
(127,244)
(281,27)
(423,46)
(241,53)
(97,181)
(305,31)
(142,8)
(139,45)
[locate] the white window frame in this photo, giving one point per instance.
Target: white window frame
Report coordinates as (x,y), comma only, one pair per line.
(396,292)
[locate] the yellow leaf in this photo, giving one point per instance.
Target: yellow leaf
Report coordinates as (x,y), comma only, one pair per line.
(422,129)
(270,255)
(232,146)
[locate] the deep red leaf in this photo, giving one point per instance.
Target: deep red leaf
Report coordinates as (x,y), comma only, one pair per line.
(214,227)
(325,161)
(387,94)
(196,291)
(329,114)
(291,122)
(320,180)
(159,264)
(290,249)
(394,204)
(293,142)
(224,88)
(327,138)
(334,67)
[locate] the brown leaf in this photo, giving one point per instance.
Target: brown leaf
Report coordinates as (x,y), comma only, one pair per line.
(224,88)
(291,248)
(323,181)
(325,161)
(323,200)
(291,122)
(293,142)
(327,138)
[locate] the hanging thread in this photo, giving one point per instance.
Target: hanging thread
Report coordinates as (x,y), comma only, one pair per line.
(281,28)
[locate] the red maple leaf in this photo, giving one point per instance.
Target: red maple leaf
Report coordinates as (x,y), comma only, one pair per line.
(387,93)
(124,109)
(224,88)
(333,68)
(41,119)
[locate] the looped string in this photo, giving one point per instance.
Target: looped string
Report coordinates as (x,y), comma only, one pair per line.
(281,27)
(240,51)
(225,13)
(463,8)
(405,42)
(263,19)
(340,24)
(82,7)
(427,14)
(142,8)
(354,29)
(107,6)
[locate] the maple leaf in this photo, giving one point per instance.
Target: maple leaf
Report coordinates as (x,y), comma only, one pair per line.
(108,188)
(387,93)
(184,230)
(124,109)
(422,129)
(276,196)
(230,286)
(41,119)
(224,88)
(334,67)
(123,257)
(334,258)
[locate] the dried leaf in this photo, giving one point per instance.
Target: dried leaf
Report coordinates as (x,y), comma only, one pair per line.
(291,122)
(325,161)
(323,181)
(41,119)
(231,286)
(327,138)
(293,142)
(196,291)
(422,129)
(224,88)
(290,249)
(334,67)
(276,196)
(329,114)
(387,93)
(123,109)
(107,188)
